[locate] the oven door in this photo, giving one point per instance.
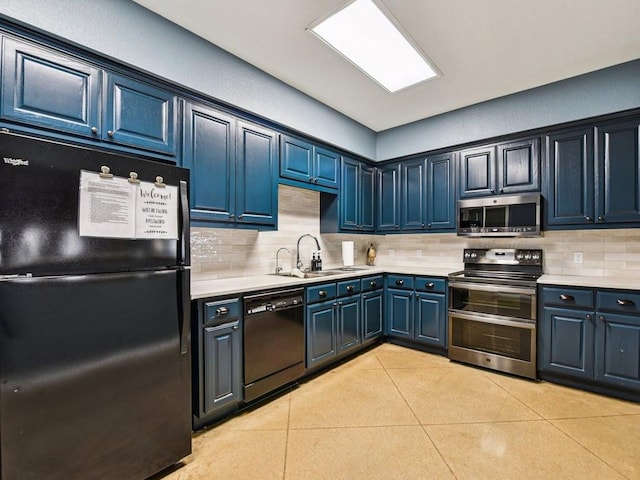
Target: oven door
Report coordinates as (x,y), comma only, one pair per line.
(507,345)
(492,299)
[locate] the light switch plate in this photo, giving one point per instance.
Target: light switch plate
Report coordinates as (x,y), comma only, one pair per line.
(577,257)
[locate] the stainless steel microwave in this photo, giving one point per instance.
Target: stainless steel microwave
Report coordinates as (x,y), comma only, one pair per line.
(499,216)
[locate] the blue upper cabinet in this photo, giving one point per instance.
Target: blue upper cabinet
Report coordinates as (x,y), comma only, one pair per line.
(512,167)
(618,172)
(233,169)
(310,164)
(209,152)
(256,175)
(388,198)
(570,189)
(357,203)
(440,192)
(413,207)
(48,89)
(140,115)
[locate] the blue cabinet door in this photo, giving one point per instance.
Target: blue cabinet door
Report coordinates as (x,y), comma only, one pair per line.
(372,315)
(399,320)
(388,198)
(48,89)
(477,171)
(321,333)
(567,342)
(440,192)
(326,168)
(349,333)
(431,319)
(209,152)
(222,366)
(350,195)
(618,167)
(140,115)
(256,175)
(519,166)
(413,197)
(618,350)
(296,159)
(570,177)
(367,198)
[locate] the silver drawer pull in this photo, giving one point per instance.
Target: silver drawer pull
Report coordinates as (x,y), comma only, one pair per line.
(400,282)
(625,303)
(567,298)
(349,288)
(222,311)
(429,285)
(373,283)
(322,293)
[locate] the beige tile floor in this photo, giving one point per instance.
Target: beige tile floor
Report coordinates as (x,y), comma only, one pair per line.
(396,413)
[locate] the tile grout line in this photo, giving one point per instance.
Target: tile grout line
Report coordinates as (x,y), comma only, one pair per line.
(416,417)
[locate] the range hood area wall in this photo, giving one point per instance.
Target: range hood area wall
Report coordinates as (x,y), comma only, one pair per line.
(225,252)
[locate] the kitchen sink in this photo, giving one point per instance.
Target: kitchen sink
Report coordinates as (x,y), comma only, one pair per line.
(318,274)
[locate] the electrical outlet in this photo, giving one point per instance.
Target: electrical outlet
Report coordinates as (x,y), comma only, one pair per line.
(577,257)
(418,253)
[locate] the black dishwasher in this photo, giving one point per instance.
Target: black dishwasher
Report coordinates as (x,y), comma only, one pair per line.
(273,341)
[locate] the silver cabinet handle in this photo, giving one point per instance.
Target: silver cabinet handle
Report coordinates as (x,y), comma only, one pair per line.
(373,283)
(625,303)
(110,133)
(94,130)
(222,311)
(322,293)
(429,285)
(588,317)
(235,327)
(400,282)
(349,288)
(567,298)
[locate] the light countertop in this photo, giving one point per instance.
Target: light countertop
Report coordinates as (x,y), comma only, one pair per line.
(254,283)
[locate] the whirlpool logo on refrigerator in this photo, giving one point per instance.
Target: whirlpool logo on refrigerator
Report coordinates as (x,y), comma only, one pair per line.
(16,162)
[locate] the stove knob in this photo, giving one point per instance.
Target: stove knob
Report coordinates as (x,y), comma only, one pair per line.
(520,256)
(474,254)
(467,255)
(527,256)
(536,256)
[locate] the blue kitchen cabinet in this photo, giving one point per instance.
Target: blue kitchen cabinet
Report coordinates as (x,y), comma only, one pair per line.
(440,192)
(568,342)
(348,323)
(233,169)
(308,163)
(570,186)
(388,198)
(504,168)
(416,310)
(413,204)
(618,172)
(140,115)
(222,366)
(321,333)
(372,308)
(592,335)
(49,89)
(356,197)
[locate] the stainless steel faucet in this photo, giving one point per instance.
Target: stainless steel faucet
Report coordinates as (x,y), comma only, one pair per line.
(298,261)
(278,267)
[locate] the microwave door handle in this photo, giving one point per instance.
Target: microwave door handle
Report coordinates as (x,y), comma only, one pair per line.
(492,288)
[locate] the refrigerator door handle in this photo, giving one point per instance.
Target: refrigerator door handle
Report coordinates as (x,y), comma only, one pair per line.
(185,307)
(184,250)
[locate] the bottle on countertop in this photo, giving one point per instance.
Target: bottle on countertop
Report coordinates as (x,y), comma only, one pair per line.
(319,262)
(314,262)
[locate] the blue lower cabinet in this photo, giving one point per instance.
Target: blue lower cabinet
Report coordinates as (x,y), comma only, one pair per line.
(321,333)
(222,366)
(417,310)
(618,350)
(349,334)
(372,314)
(568,342)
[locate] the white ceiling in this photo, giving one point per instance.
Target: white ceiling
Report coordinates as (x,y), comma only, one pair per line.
(484,48)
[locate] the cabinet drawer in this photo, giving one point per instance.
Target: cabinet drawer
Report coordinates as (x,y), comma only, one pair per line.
(567,297)
(372,283)
(348,287)
(404,282)
(429,284)
(221,311)
(320,293)
(622,301)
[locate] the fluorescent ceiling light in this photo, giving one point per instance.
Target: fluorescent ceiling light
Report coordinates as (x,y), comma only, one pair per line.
(369,40)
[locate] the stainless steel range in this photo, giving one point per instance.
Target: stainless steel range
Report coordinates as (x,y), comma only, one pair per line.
(492,309)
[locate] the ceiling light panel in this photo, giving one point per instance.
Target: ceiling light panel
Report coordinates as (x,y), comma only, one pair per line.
(366,37)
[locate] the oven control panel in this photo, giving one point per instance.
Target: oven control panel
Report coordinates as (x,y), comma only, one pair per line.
(503,256)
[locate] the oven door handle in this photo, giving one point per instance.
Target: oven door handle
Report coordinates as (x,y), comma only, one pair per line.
(493,288)
(483,317)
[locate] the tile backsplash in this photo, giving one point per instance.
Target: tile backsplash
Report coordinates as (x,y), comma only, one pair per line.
(225,252)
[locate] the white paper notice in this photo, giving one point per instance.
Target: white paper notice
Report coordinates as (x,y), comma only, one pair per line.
(107,206)
(156,211)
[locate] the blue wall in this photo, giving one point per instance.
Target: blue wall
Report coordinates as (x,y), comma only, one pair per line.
(125,31)
(131,34)
(604,91)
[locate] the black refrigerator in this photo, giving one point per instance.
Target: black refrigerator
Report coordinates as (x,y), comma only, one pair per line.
(95,378)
